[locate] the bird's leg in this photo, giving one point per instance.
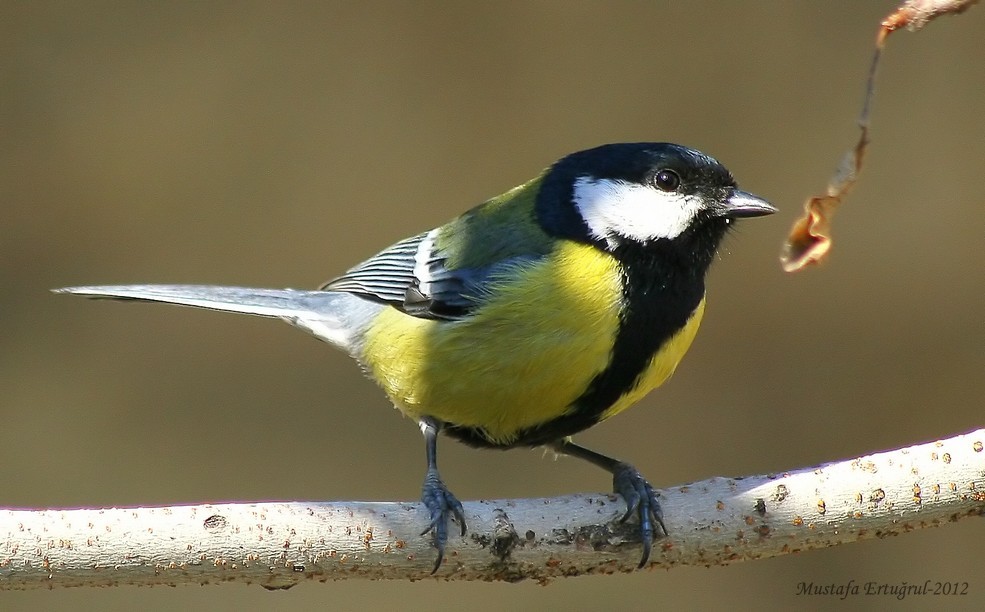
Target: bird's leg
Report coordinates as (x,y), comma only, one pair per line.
(640,497)
(439,501)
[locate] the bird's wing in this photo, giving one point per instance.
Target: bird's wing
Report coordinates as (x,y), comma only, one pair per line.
(448,272)
(419,277)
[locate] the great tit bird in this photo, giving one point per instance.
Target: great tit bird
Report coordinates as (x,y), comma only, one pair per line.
(532,316)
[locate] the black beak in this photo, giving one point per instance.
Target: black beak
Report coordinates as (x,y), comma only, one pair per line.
(744,204)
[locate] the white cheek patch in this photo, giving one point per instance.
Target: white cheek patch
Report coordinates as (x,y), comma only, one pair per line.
(614,208)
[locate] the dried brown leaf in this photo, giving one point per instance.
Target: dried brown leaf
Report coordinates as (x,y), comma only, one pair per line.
(810,237)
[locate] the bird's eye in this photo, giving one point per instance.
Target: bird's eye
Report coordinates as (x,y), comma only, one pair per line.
(667,180)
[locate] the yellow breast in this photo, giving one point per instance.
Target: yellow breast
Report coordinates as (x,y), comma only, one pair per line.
(521,359)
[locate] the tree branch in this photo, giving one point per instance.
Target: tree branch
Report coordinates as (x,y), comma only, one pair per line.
(712,522)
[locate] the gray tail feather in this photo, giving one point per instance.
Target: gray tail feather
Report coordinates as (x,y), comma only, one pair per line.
(331,316)
(261,302)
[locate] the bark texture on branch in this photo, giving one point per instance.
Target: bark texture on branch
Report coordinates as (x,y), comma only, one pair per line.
(711,522)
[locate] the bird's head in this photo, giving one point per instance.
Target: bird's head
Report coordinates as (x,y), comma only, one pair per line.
(642,194)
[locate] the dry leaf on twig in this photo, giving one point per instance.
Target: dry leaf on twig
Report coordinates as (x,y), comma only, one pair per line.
(810,238)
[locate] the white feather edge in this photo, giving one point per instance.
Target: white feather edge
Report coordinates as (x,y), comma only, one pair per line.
(421,259)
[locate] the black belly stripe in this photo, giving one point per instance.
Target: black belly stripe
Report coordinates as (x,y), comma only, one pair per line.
(660,297)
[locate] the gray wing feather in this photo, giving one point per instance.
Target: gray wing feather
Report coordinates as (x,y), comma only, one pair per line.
(413,276)
(385,276)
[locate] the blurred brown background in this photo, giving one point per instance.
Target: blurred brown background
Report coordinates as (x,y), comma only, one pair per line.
(274,144)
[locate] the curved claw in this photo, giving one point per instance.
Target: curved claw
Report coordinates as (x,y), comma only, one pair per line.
(641,500)
(441,505)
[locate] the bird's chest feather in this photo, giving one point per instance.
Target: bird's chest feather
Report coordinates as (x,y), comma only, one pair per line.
(525,358)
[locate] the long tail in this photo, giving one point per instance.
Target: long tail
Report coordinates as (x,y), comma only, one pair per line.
(332,316)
